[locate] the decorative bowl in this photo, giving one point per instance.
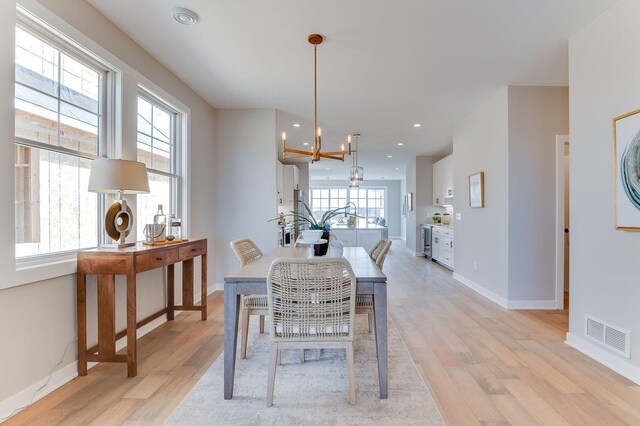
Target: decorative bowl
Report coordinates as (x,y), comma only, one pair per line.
(312,235)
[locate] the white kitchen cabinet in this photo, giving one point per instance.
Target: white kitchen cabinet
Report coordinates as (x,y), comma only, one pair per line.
(290,181)
(280,182)
(442,247)
(368,238)
(438,184)
(442,180)
(348,237)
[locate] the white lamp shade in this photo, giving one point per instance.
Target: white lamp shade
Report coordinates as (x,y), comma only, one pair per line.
(114,176)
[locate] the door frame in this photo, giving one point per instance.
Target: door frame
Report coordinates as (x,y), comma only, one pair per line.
(560,141)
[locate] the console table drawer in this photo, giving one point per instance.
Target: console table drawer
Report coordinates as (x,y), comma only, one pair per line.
(146,262)
(193,250)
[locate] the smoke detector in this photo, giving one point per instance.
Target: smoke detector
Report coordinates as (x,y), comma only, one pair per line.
(184,16)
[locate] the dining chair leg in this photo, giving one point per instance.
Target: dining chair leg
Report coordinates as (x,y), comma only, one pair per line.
(279,357)
(261,324)
(318,351)
(273,360)
(301,356)
(245,333)
(350,373)
(370,315)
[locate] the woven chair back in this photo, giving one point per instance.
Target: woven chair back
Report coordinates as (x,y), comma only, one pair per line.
(246,250)
(382,253)
(311,300)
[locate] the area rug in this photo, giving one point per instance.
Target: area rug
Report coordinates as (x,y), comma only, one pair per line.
(314,392)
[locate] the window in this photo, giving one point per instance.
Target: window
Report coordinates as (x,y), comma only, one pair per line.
(370,202)
(158,148)
(59,113)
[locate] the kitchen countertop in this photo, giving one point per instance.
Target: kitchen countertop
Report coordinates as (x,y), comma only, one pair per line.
(438,224)
(369,226)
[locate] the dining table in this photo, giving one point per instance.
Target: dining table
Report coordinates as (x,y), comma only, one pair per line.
(252,279)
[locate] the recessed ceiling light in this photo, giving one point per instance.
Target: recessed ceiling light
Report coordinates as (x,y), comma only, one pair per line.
(417,125)
(400,143)
(295,125)
(184,16)
(397,168)
(326,168)
(389,156)
(305,143)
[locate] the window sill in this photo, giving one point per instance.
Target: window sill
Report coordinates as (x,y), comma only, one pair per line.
(28,271)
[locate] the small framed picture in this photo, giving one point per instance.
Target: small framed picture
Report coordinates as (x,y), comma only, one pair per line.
(626,149)
(410,201)
(476,190)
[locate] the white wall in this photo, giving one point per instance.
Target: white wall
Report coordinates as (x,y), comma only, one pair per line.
(244,182)
(536,116)
(394,199)
(37,320)
(604,65)
(480,144)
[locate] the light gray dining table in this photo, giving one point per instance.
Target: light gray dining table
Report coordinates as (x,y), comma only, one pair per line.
(252,279)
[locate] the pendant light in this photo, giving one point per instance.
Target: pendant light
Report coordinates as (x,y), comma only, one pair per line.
(356,173)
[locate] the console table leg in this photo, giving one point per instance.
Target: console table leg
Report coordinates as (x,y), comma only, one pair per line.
(106,315)
(81,306)
(170,292)
(132,355)
(187,283)
(203,289)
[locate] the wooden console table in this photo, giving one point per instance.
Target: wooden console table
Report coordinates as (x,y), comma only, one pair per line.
(106,262)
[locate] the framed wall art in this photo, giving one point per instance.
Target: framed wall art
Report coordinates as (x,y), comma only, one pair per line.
(626,153)
(476,190)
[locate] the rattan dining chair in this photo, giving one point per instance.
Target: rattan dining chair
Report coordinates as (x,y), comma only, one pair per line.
(311,305)
(364,303)
(252,304)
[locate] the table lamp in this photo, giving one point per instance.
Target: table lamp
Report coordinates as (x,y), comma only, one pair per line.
(110,176)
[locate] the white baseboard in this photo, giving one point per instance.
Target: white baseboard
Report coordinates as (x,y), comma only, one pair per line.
(396,237)
(411,252)
(481,290)
(70,371)
(604,357)
(532,304)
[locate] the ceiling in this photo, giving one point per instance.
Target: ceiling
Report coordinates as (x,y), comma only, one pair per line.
(384,65)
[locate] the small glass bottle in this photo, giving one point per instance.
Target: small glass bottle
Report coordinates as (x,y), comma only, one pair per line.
(175,226)
(160,218)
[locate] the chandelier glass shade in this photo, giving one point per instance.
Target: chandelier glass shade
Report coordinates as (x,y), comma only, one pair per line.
(356,173)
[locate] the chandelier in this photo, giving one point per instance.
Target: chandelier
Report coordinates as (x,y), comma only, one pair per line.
(316,150)
(356,173)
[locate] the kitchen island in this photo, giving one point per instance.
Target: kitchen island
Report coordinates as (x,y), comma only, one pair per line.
(362,235)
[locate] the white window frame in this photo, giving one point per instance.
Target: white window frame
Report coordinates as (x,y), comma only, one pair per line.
(36,27)
(178,153)
(382,187)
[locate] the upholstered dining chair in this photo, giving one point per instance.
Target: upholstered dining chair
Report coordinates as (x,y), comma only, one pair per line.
(364,303)
(311,305)
(254,304)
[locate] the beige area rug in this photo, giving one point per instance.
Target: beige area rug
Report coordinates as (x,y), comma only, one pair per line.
(313,393)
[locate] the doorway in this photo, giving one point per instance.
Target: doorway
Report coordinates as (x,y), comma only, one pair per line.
(562,221)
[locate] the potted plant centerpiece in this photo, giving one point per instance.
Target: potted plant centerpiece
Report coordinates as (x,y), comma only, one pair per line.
(323,224)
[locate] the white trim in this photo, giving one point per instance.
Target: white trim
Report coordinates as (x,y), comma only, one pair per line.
(70,371)
(604,357)
(532,304)
(560,141)
(481,290)
(411,252)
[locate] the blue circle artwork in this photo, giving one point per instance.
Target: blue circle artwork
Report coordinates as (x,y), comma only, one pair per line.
(630,170)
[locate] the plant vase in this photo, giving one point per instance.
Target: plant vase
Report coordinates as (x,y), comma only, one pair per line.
(321,249)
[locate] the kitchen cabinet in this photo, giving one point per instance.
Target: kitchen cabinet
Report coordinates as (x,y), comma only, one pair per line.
(360,237)
(279,189)
(442,247)
(287,176)
(442,180)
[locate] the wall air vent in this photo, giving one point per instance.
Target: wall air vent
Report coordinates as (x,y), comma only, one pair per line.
(615,338)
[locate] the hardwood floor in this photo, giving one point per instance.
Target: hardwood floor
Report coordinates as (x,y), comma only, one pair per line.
(483,364)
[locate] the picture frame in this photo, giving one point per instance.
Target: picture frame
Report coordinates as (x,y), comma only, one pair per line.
(476,190)
(626,170)
(410,201)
